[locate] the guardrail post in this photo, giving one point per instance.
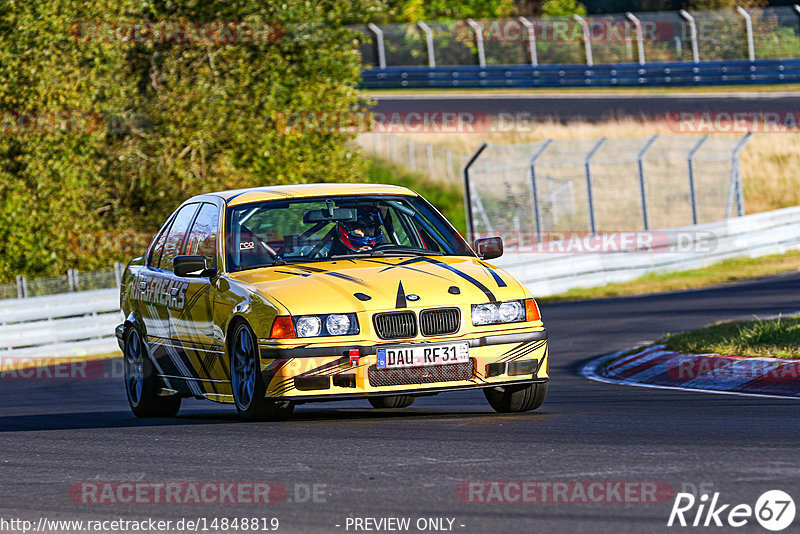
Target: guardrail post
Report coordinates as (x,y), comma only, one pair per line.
(478,29)
(692,194)
(639,37)
(642,186)
(379,44)
(735,186)
(587,39)
(589,196)
(531,40)
(692,34)
(468,193)
(118,273)
(748,24)
(429,42)
(70,280)
(536,213)
(22,286)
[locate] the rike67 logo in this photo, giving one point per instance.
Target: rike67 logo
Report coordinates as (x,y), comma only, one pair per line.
(774,510)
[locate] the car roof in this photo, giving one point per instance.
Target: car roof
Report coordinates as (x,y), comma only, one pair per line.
(234,197)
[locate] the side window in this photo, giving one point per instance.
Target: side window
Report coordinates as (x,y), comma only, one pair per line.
(158,248)
(203,237)
(176,235)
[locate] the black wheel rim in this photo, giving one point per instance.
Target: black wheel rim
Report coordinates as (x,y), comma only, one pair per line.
(134,367)
(244,369)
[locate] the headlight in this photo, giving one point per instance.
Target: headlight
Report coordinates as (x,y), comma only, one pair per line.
(337,324)
(308,326)
(484,314)
(334,324)
(512,311)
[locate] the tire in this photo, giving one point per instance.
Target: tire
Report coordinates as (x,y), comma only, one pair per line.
(247,381)
(510,399)
(392,401)
(141,383)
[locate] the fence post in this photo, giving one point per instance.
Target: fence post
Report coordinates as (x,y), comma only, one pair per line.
(587,39)
(796,8)
(429,42)
(748,24)
(692,34)
(642,186)
(431,170)
(379,44)
(536,213)
(448,156)
(639,37)
(478,29)
(735,186)
(692,194)
(468,194)
(412,163)
(393,148)
(70,280)
(22,286)
(587,165)
(531,40)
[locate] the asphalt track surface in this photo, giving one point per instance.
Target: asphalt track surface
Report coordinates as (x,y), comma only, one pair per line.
(591,107)
(408,463)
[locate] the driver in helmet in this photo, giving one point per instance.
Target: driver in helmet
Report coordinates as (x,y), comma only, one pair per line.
(363,234)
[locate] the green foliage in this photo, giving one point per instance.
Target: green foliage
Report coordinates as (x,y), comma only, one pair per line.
(562,8)
(429,10)
(179,119)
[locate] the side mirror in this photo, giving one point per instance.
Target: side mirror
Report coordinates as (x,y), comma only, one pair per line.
(189,265)
(489,248)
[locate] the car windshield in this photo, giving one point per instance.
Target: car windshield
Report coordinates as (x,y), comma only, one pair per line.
(312,229)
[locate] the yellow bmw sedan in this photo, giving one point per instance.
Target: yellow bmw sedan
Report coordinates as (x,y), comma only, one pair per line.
(271,297)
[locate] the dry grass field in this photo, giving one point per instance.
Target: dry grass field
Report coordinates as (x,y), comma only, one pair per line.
(769,162)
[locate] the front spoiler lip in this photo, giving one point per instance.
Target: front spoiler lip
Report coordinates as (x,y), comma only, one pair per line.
(413,393)
(270,353)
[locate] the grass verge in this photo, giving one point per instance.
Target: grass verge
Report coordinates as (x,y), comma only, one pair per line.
(447,198)
(724,271)
(773,338)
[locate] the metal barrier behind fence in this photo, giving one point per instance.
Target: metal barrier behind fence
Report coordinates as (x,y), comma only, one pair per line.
(604,184)
(644,37)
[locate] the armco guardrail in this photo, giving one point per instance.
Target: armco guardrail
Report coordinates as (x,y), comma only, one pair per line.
(759,234)
(57,326)
(675,73)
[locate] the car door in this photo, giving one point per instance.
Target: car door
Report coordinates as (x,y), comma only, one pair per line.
(159,291)
(192,306)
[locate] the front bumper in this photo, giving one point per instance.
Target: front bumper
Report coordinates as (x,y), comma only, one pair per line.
(119,331)
(342,372)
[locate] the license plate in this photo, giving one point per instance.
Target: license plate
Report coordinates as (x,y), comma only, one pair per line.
(422,355)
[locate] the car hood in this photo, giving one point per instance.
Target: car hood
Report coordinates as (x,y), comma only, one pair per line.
(353,285)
